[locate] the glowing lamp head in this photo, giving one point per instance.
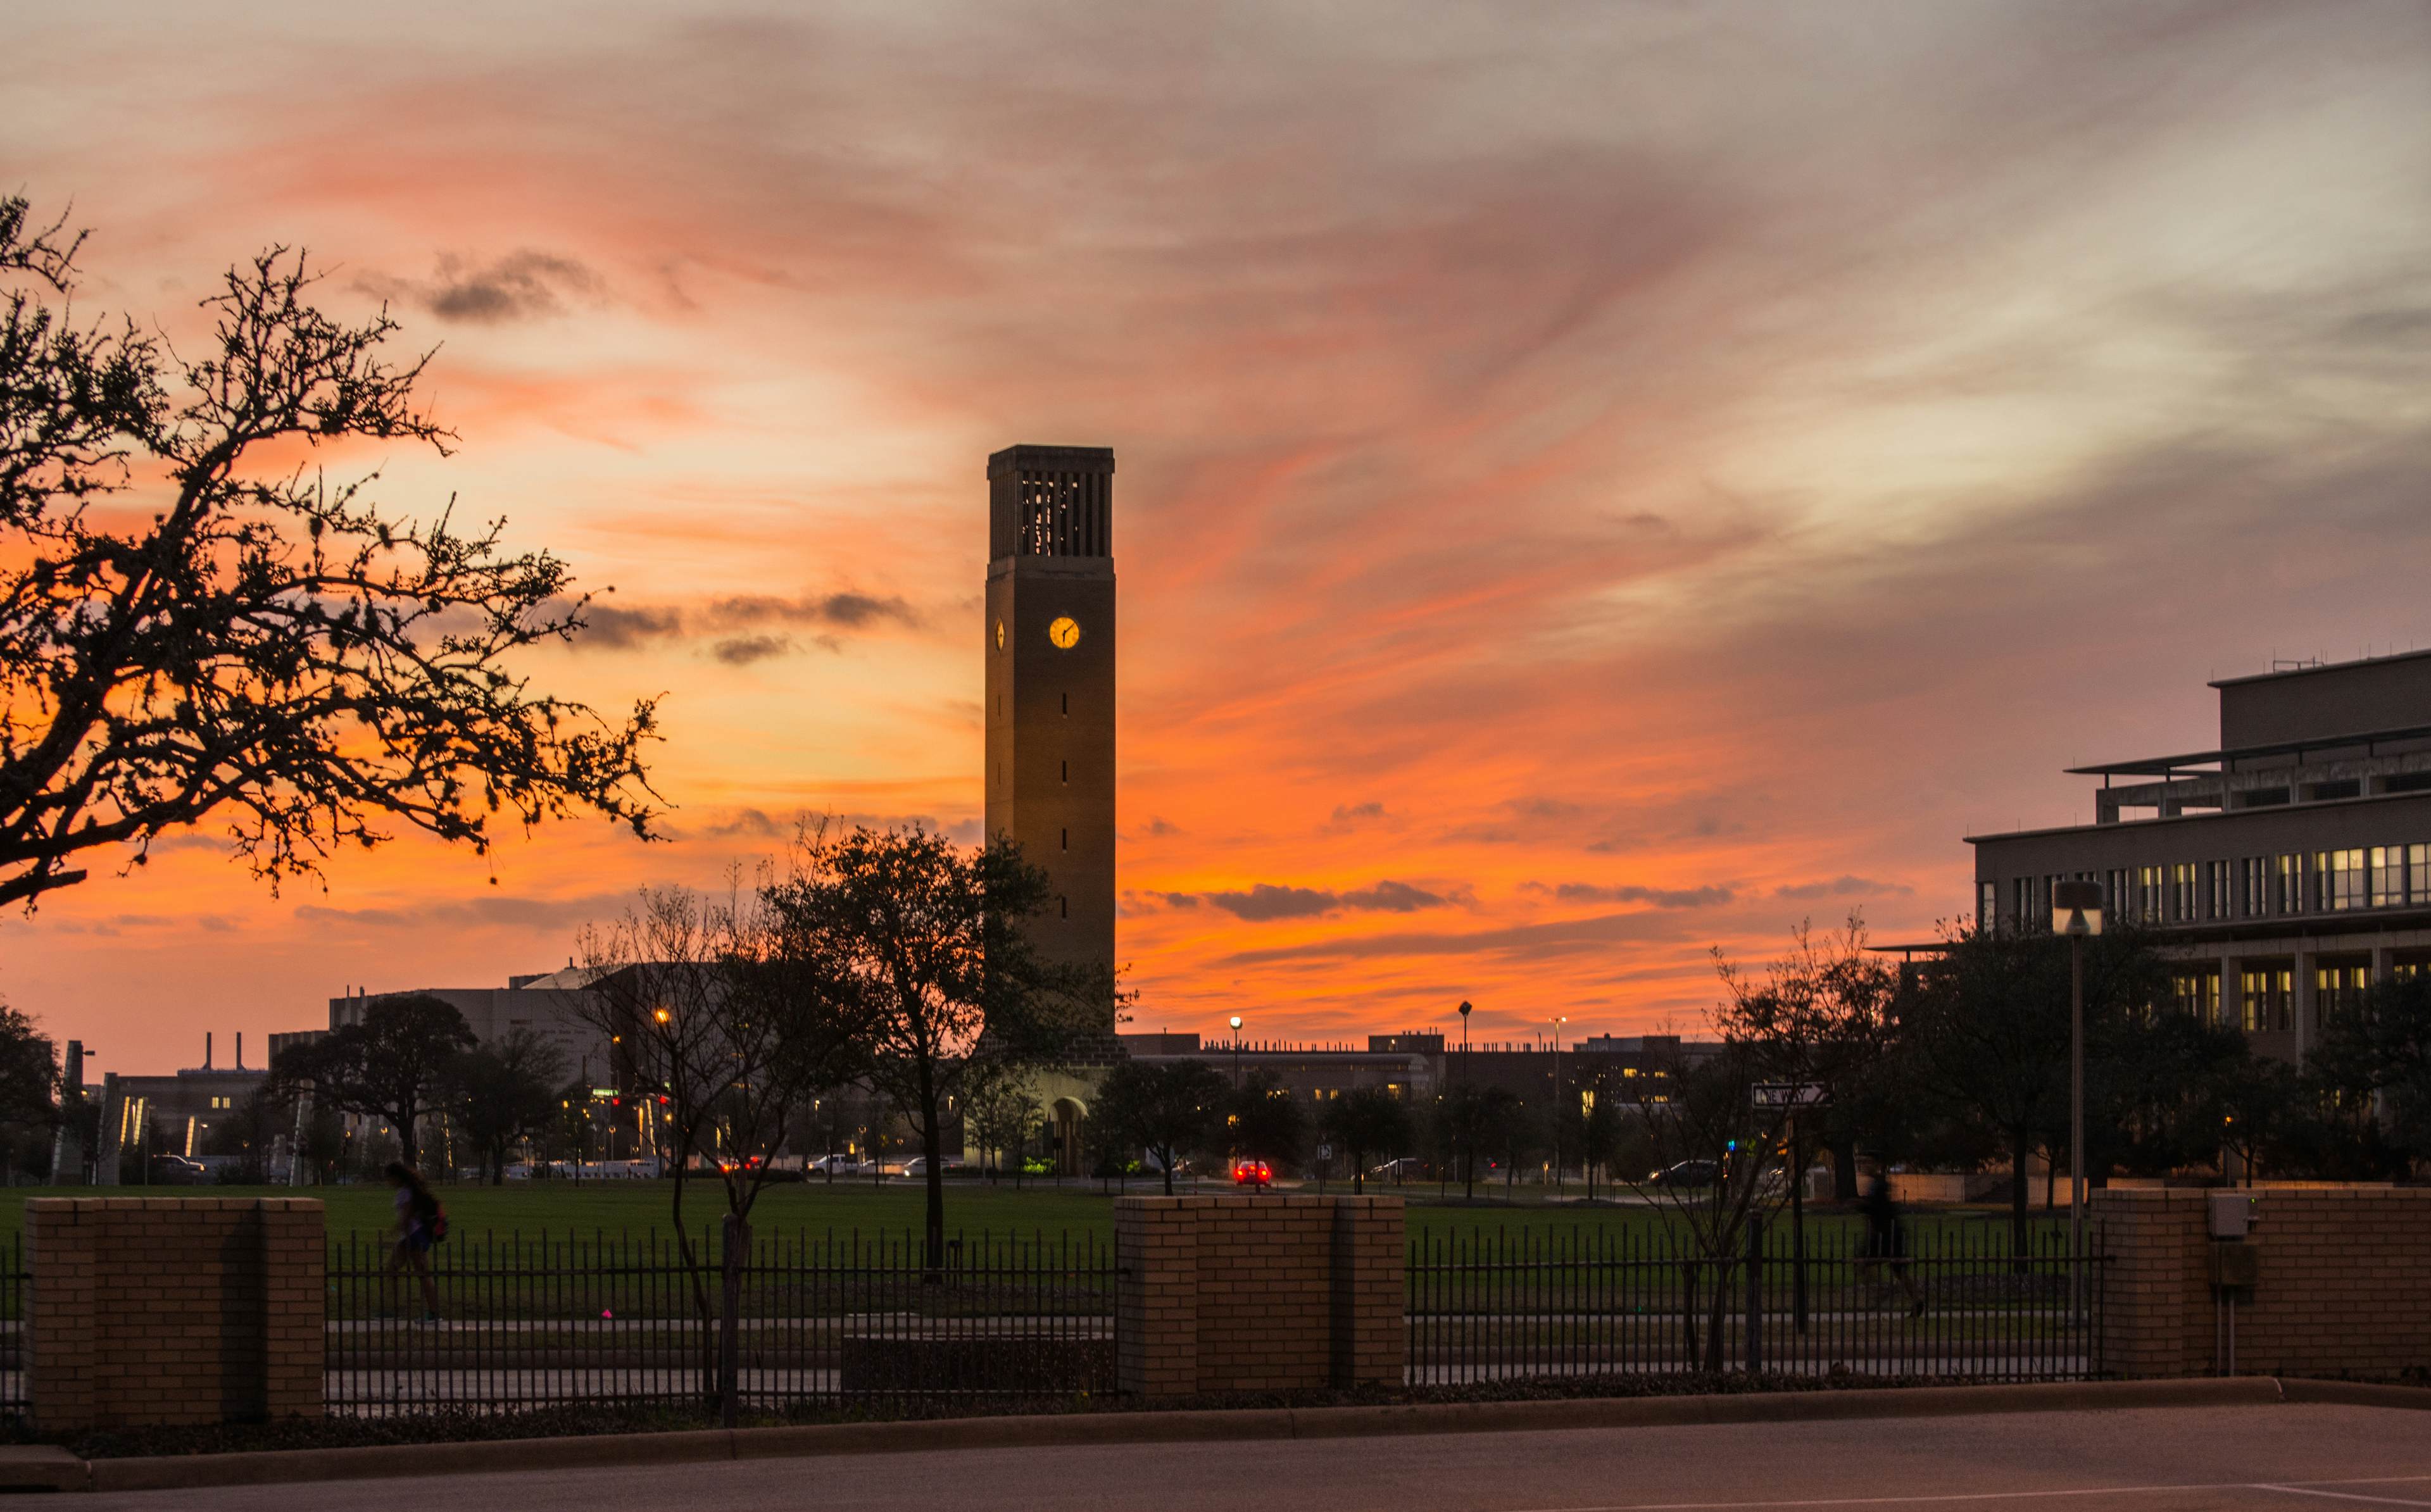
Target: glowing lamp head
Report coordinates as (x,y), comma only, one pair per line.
(2077,907)
(661,1015)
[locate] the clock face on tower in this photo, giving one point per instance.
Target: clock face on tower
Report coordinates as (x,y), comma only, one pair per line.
(1000,635)
(1064,632)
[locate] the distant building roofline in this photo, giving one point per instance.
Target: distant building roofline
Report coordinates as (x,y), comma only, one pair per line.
(2314,669)
(2163,766)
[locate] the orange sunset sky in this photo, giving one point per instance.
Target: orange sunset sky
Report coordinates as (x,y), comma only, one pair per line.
(1633,476)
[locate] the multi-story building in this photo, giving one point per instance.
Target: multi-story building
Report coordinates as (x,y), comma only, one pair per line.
(2287,869)
(556,1006)
(143,1117)
(1421,1066)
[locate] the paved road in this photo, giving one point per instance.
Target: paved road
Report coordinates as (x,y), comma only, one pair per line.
(2171,1459)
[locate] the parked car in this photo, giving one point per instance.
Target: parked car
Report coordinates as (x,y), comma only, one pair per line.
(1686,1174)
(1252,1173)
(917,1166)
(838,1166)
(176,1171)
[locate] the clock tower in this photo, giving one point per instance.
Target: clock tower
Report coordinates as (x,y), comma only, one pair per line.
(1050,685)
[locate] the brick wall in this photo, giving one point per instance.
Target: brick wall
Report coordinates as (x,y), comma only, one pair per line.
(2344,1283)
(1259,1293)
(174,1309)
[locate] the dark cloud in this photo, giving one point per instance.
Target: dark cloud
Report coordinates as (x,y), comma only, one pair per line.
(1541,808)
(1346,813)
(1842,887)
(1393,897)
(757,823)
(743,650)
(609,627)
(622,627)
(1266,901)
(842,611)
(526,285)
(482,912)
(1704,897)
(1163,826)
(1570,937)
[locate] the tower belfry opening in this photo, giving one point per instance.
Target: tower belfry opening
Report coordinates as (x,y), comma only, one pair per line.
(1050,685)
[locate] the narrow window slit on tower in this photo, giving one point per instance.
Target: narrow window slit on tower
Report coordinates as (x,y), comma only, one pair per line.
(1067,703)
(1063,907)
(1064,839)
(1067,771)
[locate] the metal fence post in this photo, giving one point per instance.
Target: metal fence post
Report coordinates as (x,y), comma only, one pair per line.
(1754,1292)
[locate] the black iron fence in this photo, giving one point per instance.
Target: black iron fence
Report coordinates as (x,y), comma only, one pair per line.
(16,1296)
(518,1322)
(1958,1301)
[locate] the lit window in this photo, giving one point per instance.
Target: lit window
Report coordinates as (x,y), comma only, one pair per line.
(2196,993)
(2339,989)
(2148,893)
(2341,879)
(2387,875)
(2215,889)
(2265,997)
(2182,892)
(2291,884)
(2257,885)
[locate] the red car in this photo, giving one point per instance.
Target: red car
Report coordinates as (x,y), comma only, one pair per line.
(1252,1173)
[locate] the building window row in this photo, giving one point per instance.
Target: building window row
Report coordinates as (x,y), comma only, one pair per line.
(2253,886)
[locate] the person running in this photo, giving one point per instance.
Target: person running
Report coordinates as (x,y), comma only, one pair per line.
(1885,1249)
(417,1229)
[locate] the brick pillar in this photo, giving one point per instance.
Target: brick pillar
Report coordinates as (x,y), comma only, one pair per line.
(1156,1310)
(58,1339)
(173,1310)
(1371,1343)
(295,1296)
(2155,1242)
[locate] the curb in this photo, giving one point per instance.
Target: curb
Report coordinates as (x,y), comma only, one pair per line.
(269,1466)
(2357,1393)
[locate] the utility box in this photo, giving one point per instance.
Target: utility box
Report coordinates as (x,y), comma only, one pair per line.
(2231,1214)
(2235,1267)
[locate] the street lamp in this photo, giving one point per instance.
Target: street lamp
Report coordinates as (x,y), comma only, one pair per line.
(1236,1052)
(2076,912)
(1467,1158)
(1561,1108)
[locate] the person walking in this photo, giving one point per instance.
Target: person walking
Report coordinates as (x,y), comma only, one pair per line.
(419,1222)
(1886,1250)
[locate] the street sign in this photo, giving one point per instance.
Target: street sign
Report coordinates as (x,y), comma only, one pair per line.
(1791,1094)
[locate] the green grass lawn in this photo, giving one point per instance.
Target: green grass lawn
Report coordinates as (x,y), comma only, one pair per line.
(1082,1212)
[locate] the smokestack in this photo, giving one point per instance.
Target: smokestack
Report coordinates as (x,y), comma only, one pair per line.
(207,1050)
(240,1050)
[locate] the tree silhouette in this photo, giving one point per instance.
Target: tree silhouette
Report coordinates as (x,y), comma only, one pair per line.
(195,624)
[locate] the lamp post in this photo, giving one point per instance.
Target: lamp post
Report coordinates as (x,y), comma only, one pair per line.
(1237,1053)
(2076,912)
(1460,1111)
(1561,1107)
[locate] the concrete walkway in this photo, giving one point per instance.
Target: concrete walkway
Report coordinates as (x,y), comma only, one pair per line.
(2153,1459)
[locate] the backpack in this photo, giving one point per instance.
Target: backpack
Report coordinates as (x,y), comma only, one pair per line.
(434,1217)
